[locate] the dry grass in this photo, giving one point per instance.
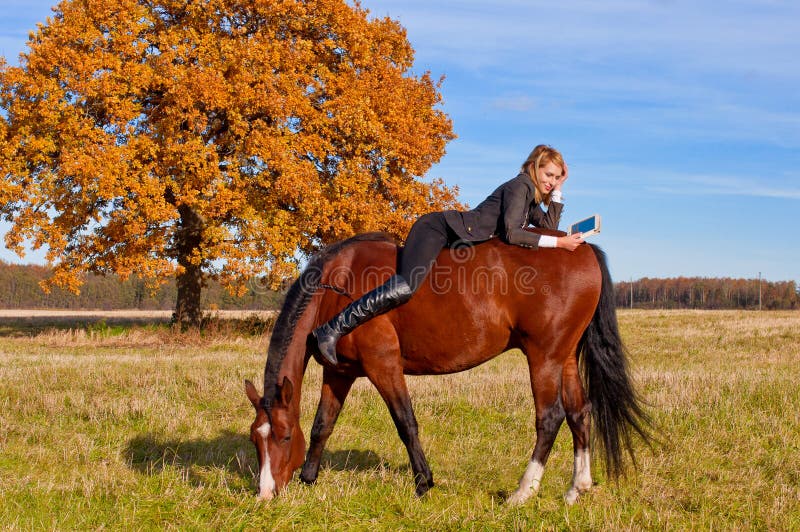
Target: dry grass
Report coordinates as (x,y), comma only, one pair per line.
(141,427)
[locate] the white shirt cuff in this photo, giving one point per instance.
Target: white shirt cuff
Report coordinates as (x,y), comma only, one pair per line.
(556,196)
(547,241)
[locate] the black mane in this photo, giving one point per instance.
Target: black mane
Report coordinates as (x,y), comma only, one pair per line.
(296,302)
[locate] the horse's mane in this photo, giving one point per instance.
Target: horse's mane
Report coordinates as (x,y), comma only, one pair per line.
(297,299)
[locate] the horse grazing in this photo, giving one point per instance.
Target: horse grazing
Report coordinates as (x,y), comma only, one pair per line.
(478,301)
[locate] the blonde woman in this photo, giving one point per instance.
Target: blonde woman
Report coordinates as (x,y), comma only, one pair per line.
(504,213)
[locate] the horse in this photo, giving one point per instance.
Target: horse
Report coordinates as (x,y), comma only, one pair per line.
(557,307)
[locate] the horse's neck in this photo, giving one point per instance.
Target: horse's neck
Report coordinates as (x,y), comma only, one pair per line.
(293,365)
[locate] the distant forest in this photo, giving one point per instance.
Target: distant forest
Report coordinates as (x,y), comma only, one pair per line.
(707,293)
(19,288)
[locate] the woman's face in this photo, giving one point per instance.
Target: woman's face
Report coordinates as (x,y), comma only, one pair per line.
(549,174)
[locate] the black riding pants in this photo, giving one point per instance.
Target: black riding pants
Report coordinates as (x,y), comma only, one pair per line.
(427,237)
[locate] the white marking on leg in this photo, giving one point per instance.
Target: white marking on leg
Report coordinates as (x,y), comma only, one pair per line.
(266,484)
(528,484)
(581,476)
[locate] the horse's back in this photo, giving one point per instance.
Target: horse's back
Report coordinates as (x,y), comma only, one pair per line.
(476,302)
(482,301)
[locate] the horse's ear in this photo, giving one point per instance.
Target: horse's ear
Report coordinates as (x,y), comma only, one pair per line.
(286,391)
(252,394)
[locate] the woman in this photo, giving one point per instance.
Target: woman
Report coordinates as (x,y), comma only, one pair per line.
(505,213)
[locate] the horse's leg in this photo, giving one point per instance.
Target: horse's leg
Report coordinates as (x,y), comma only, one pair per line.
(546,384)
(391,384)
(578,418)
(335,388)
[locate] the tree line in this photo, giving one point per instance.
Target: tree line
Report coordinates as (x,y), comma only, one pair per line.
(707,293)
(20,287)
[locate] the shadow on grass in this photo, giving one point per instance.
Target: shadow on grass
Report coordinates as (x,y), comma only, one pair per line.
(500,497)
(353,460)
(232,452)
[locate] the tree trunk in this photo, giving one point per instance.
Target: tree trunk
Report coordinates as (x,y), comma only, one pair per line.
(190,281)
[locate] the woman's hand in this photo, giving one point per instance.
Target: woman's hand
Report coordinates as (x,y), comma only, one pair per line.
(560,180)
(569,242)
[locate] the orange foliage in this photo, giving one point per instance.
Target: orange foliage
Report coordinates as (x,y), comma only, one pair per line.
(265,128)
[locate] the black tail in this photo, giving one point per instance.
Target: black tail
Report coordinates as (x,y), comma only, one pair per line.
(616,408)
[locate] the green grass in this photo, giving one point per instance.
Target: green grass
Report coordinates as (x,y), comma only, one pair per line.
(141,427)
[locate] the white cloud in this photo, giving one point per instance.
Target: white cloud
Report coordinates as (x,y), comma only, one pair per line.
(664,69)
(649,181)
(726,186)
(519,103)
(745,37)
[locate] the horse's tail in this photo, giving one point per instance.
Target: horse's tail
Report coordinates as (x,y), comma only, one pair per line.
(616,407)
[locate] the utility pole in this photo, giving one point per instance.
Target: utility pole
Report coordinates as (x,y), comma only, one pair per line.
(631,292)
(759,290)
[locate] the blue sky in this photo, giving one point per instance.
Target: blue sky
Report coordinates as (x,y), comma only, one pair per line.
(680,120)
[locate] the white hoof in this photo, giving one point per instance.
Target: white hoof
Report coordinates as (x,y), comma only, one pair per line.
(519,497)
(528,484)
(572,496)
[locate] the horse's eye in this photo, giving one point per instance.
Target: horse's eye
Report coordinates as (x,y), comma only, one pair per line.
(286,439)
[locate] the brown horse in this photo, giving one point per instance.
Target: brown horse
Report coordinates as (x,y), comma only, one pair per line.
(478,301)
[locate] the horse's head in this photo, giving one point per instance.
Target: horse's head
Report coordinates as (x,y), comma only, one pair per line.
(280,445)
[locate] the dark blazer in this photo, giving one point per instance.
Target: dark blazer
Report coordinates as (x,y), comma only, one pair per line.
(505,213)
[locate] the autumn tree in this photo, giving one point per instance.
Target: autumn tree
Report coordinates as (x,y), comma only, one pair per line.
(222,138)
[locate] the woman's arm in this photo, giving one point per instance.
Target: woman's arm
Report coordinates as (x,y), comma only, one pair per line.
(552,217)
(514,211)
(568,242)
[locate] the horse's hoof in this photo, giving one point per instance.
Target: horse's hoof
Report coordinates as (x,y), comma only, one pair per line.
(308,480)
(519,497)
(422,489)
(572,496)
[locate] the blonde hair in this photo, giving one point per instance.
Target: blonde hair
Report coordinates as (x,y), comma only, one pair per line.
(541,156)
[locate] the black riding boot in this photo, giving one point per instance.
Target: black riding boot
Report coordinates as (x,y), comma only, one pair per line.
(384,298)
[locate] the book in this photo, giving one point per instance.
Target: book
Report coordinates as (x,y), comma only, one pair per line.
(587,227)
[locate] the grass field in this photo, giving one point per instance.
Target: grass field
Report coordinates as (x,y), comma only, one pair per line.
(139,427)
